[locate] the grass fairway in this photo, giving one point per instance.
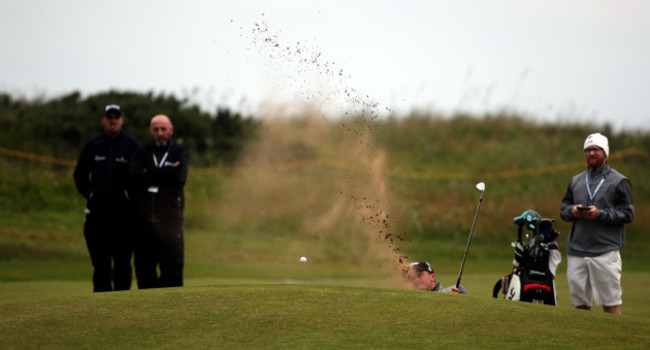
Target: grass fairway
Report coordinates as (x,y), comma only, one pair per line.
(305,316)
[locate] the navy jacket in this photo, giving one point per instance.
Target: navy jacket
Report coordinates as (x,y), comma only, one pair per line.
(102,171)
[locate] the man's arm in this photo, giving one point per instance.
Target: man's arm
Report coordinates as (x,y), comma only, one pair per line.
(175,174)
(623,212)
(566,208)
(454,290)
(137,170)
(81,172)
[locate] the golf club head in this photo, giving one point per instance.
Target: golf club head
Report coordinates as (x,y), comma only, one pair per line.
(480,186)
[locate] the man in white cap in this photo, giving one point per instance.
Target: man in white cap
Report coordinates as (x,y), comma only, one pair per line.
(599,202)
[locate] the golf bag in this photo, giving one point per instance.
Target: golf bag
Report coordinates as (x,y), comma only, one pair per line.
(533,277)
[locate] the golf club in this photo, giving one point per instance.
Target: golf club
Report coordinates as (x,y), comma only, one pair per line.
(481,187)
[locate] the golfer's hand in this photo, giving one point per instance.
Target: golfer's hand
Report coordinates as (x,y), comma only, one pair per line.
(454,290)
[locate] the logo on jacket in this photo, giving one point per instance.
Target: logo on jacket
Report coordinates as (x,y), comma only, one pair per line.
(100,158)
(121,160)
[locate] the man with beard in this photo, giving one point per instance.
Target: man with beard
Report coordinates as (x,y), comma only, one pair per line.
(599,202)
(159,170)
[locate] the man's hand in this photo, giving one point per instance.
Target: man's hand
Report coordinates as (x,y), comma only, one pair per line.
(577,211)
(580,212)
(454,290)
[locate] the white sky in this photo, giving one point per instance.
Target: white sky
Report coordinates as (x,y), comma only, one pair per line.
(554,60)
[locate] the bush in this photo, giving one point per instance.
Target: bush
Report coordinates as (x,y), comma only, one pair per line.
(59,127)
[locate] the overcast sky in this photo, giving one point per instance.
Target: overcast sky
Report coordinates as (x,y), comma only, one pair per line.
(553,59)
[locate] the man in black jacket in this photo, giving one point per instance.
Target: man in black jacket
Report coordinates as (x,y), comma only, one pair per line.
(159,170)
(102,177)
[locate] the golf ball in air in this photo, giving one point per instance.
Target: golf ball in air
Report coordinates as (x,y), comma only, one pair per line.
(303,259)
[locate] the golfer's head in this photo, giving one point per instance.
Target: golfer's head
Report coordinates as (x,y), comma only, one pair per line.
(161,129)
(423,276)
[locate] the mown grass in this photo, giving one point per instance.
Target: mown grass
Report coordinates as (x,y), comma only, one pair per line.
(291,316)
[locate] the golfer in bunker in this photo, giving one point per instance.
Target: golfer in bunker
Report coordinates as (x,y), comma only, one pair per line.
(423,277)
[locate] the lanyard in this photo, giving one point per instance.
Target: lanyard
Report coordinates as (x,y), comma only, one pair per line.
(591,196)
(164,157)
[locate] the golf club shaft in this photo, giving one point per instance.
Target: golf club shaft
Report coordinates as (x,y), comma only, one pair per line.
(469,239)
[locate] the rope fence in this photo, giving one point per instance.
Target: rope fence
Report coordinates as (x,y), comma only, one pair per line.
(416,175)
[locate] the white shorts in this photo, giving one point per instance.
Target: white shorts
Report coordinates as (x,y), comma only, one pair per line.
(596,277)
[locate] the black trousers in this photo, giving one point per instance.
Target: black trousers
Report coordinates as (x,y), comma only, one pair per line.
(160,246)
(110,244)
